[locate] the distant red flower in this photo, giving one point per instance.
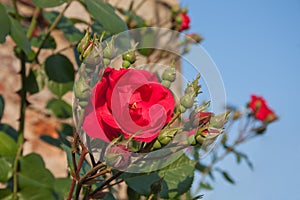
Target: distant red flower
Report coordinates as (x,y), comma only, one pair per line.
(185,23)
(261,111)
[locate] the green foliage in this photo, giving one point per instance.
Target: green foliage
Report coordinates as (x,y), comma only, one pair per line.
(59,68)
(5,169)
(59,108)
(105,15)
(18,34)
(48,44)
(48,3)
(8,146)
(5,128)
(66,25)
(59,89)
(31,83)
(176,179)
(4,23)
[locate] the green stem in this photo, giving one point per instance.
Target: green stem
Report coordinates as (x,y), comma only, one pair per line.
(33,22)
(21,125)
(52,27)
(16,10)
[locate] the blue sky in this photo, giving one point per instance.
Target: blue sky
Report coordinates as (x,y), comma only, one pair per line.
(256,46)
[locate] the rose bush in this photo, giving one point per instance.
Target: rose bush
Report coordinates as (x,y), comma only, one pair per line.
(129,102)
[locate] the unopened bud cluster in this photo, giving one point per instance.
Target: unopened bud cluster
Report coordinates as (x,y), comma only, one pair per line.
(190,93)
(164,138)
(129,58)
(169,76)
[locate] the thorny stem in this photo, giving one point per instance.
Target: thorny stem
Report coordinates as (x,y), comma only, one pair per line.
(21,125)
(52,27)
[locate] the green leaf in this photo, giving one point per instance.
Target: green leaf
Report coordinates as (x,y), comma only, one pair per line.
(59,89)
(227,177)
(9,131)
(105,15)
(8,147)
(239,156)
(178,177)
(48,3)
(141,183)
(133,195)
(49,43)
(34,174)
(206,186)
(2,104)
(66,25)
(31,83)
(66,130)
(5,169)
(59,108)
(59,69)
(50,140)
(62,186)
(19,36)
(6,194)
(4,23)
(36,193)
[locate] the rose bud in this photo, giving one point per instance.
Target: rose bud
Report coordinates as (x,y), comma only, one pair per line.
(84,42)
(192,140)
(129,56)
(166,83)
(126,64)
(201,118)
(109,51)
(169,74)
(106,61)
(118,156)
(194,38)
(187,101)
(81,89)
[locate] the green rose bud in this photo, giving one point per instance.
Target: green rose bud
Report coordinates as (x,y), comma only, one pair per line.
(166,83)
(200,139)
(169,74)
(129,56)
(126,64)
(181,109)
(87,51)
(106,61)
(156,145)
(192,140)
(81,89)
(187,101)
(109,51)
(164,140)
(84,42)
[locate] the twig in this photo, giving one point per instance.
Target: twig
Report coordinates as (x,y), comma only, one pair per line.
(52,27)
(107,182)
(33,22)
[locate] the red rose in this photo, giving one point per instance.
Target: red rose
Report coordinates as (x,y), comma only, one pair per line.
(129,102)
(260,108)
(185,24)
